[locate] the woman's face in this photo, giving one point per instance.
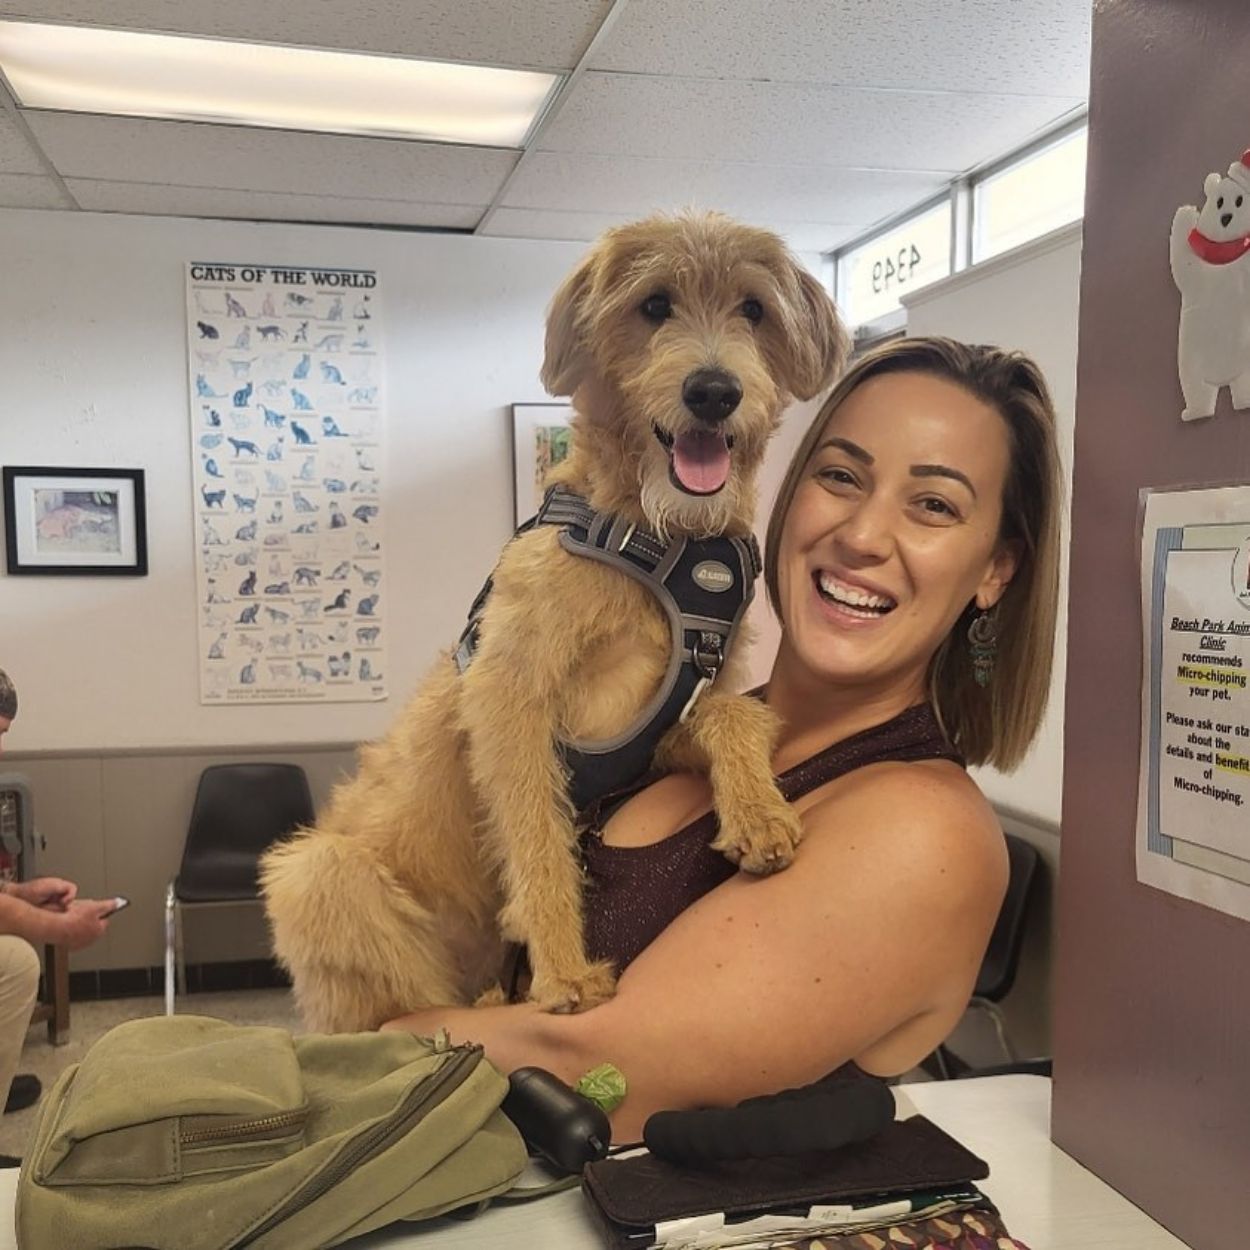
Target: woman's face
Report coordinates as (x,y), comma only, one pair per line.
(893,530)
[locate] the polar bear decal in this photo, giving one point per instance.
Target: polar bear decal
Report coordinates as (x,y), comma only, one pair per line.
(1210,268)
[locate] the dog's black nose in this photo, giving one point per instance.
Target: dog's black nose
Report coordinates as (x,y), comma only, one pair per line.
(711,394)
(1225,218)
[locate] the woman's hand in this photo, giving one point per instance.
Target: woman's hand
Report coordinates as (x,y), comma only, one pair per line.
(424,1023)
(514,1035)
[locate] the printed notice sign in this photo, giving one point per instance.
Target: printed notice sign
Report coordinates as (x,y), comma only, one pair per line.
(1193,808)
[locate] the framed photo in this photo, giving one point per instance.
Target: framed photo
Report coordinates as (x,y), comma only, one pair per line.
(540,440)
(75,521)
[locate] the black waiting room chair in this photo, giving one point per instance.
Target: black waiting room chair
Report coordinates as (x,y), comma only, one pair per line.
(240,810)
(999,967)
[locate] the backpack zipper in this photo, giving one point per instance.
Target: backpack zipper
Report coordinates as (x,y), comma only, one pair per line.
(244,1128)
(419,1103)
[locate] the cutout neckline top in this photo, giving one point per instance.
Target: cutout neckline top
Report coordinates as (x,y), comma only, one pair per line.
(632,893)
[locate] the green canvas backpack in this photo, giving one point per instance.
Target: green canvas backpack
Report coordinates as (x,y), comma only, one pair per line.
(188,1133)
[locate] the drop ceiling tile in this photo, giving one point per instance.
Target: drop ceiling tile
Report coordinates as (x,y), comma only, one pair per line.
(788,123)
(812,237)
(1036,47)
(160,200)
(525,223)
(799,193)
(243,158)
(539,34)
(30,191)
(17,156)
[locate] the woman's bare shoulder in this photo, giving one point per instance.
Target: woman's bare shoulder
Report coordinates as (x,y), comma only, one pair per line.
(929,813)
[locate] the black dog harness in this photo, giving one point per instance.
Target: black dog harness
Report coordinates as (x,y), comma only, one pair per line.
(704,586)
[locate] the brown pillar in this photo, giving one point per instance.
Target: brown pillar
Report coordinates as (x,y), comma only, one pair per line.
(1152,993)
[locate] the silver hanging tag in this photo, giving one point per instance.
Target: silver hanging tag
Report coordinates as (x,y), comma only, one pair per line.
(703,684)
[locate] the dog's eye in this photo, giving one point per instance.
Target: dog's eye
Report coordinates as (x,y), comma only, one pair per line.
(753,311)
(657,308)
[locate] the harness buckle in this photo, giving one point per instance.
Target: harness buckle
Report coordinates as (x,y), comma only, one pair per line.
(708,657)
(708,654)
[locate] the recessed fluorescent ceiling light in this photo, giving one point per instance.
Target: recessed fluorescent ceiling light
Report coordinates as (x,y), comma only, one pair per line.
(89,70)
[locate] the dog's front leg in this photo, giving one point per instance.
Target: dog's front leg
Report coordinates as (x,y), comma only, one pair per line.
(509,715)
(732,736)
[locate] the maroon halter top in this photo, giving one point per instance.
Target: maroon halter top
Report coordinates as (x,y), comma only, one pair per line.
(632,893)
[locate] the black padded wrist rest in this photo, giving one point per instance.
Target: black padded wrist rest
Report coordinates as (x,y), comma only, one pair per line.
(829,1114)
(907,1156)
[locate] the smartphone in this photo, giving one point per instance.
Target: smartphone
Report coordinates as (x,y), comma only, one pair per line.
(120,903)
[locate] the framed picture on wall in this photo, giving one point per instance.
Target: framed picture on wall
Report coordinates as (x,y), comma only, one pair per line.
(75,521)
(540,440)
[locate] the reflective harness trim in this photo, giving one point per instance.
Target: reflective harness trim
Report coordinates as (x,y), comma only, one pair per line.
(704,586)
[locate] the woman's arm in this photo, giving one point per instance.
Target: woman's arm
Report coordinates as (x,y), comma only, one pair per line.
(880,923)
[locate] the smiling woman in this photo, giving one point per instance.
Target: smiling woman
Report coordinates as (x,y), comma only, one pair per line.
(920,507)
(906,454)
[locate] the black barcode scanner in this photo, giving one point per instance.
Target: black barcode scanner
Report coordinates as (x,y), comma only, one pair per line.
(833,1112)
(563,1126)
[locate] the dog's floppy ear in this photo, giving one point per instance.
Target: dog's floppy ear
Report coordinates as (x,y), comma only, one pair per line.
(817,341)
(567,355)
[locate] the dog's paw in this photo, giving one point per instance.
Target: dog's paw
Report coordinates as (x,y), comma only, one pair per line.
(761,841)
(580,991)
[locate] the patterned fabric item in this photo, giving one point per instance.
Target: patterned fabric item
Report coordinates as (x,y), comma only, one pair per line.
(980,1228)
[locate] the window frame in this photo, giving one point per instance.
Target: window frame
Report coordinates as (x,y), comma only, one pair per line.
(962,195)
(887,323)
(1013,160)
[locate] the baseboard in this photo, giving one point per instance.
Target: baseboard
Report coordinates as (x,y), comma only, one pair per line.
(249,974)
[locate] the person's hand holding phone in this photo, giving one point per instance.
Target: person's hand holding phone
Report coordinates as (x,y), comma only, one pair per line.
(82,923)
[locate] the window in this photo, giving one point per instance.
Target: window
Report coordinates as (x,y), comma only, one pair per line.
(1030,197)
(873,277)
(1001,205)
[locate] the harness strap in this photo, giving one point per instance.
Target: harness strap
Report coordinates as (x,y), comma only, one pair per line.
(615,536)
(467,643)
(703,585)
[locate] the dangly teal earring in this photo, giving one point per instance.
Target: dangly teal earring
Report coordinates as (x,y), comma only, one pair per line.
(983,643)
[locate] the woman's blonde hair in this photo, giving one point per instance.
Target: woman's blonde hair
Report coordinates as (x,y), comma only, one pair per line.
(994,724)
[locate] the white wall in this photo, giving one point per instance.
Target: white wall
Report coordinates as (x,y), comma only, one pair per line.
(93,373)
(1027,299)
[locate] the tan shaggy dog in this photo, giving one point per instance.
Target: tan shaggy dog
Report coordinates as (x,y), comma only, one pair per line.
(457,833)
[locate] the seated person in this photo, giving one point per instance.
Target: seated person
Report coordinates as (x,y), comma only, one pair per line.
(46,910)
(912,560)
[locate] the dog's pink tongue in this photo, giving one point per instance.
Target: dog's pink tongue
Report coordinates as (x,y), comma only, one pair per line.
(701,460)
